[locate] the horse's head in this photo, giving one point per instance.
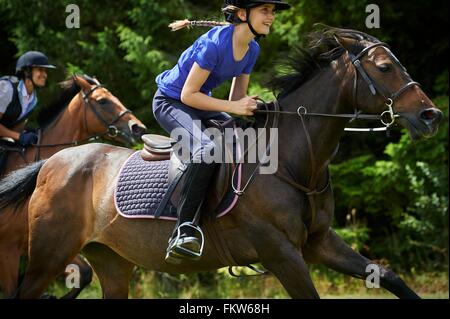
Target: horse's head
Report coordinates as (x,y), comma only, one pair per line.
(104,113)
(381,85)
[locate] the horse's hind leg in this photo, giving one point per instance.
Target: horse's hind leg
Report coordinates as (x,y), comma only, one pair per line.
(49,253)
(334,253)
(85,277)
(113,270)
(55,238)
(45,263)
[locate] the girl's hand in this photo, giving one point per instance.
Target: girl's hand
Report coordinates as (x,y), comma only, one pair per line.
(245,106)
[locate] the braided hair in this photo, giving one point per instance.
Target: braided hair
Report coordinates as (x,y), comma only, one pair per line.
(180,24)
(228,10)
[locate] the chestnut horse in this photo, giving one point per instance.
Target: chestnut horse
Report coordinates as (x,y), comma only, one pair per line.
(277,221)
(84,111)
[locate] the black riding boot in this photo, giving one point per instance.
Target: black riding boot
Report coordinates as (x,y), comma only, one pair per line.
(187,238)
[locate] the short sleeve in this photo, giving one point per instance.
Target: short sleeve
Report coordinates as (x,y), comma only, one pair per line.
(206,54)
(252,61)
(6,95)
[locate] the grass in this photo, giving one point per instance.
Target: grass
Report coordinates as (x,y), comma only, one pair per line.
(220,285)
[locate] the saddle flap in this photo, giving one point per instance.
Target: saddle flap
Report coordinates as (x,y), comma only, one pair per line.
(220,184)
(218,187)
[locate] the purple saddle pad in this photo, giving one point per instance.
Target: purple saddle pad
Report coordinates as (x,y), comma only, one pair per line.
(141,188)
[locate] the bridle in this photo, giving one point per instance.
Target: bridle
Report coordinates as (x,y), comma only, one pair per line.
(387,117)
(111,130)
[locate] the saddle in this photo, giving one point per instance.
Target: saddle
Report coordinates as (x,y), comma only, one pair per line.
(150,183)
(8,145)
(159,148)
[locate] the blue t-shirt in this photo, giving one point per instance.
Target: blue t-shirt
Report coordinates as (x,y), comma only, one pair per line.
(213,51)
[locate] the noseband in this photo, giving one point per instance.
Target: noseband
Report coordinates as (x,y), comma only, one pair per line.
(387,117)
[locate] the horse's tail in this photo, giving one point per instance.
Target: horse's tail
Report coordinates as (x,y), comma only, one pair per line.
(18,185)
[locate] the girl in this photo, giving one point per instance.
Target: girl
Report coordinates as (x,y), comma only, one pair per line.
(18,97)
(183,99)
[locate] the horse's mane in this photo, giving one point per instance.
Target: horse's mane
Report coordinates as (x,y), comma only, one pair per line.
(69,89)
(323,48)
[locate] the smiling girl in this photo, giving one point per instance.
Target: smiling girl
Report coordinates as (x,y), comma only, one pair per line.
(184,99)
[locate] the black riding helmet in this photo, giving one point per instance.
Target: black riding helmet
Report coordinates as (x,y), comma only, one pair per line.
(31,59)
(248,4)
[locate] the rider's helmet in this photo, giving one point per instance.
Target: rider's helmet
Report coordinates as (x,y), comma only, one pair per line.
(248,4)
(32,59)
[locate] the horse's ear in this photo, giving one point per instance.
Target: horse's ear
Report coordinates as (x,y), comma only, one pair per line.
(349,44)
(82,83)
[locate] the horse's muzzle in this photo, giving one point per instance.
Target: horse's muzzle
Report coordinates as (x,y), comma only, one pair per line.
(138,130)
(423,124)
(431,117)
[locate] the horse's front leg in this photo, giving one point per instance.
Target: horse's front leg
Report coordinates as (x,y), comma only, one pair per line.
(277,254)
(334,253)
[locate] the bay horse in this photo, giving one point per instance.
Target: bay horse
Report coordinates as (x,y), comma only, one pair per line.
(84,111)
(278,221)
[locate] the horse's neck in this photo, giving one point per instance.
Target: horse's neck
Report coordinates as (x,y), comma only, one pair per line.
(68,127)
(322,94)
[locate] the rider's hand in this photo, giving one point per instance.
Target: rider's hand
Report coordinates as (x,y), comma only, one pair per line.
(245,106)
(27,138)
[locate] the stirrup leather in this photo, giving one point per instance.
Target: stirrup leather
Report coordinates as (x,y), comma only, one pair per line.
(176,249)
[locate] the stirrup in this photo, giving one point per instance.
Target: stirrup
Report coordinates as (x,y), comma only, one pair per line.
(177,249)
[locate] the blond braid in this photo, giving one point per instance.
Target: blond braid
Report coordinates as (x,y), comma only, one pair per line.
(180,24)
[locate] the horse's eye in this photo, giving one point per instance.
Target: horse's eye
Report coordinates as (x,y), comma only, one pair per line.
(102,101)
(384,67)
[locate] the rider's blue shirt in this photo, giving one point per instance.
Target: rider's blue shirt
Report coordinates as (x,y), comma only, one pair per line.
(213,51)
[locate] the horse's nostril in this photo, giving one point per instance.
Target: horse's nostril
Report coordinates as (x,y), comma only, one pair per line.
(431,114)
